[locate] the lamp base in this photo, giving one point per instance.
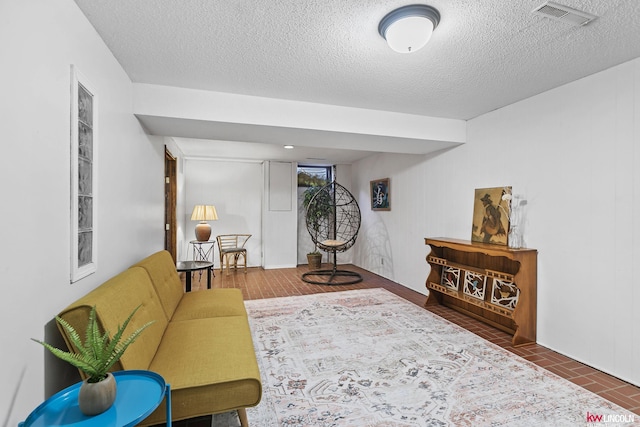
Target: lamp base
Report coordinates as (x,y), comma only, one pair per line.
(203,232)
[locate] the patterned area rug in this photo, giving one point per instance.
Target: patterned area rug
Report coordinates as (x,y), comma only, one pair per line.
(370,358)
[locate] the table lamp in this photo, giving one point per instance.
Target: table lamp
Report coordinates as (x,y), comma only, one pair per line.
(203,213)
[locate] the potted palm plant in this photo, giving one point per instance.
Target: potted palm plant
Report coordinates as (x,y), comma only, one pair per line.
(315,213)
(95,357)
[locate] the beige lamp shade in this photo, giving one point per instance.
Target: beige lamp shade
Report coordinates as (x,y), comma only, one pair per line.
(203,213)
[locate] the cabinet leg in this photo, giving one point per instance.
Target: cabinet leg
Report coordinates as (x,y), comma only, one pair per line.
(432,299)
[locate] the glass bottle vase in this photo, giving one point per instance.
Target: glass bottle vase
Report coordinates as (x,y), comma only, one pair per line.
(514,239)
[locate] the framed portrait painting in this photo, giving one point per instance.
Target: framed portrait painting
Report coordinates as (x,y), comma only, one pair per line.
(380,192)
(491,211)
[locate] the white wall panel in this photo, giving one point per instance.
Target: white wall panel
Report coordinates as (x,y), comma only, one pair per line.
(280,186)
(280,227)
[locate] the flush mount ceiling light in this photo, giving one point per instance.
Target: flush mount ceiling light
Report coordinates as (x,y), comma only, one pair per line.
(409,28)
(288,147)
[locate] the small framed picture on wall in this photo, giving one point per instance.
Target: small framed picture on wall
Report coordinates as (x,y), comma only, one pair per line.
(380,195)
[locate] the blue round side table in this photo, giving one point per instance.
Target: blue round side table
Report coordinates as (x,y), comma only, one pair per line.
(138,394)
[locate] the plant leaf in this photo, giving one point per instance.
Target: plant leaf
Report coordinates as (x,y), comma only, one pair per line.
(98,353)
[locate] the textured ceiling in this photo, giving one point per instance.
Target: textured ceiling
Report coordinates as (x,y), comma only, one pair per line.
(485,54)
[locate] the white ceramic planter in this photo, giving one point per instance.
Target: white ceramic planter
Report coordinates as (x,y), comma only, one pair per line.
(95,398)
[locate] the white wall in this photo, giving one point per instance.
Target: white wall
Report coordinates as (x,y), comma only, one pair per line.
(235,189)
(40,41)
(572,153)
(242,193)
(390,242)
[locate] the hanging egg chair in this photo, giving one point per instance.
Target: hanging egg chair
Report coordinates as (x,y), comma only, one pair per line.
(333,221)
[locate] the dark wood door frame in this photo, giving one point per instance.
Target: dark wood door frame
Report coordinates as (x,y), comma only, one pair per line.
(170,198)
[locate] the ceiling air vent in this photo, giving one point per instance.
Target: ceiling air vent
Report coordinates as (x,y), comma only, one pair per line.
(559,12)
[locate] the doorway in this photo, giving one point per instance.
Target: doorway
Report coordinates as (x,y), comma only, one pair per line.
(170,197)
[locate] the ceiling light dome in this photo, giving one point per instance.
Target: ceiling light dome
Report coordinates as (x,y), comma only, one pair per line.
(409,28)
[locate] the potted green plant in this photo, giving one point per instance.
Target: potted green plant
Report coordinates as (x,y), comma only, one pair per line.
(95,357)
(315,213)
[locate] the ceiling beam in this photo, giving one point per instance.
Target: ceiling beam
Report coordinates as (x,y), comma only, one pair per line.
(190,113)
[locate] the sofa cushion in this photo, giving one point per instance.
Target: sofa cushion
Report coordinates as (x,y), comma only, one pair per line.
(211,366)
(163,273)
(115,300)
(210,303)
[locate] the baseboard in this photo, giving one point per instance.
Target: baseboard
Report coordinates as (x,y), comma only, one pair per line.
(273,267)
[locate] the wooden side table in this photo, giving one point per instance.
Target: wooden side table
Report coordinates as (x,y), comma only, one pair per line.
(139,394)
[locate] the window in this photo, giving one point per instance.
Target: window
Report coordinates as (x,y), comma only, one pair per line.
(83,177)
(310,176)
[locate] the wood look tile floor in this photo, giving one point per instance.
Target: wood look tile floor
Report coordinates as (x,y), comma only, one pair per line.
(258,283)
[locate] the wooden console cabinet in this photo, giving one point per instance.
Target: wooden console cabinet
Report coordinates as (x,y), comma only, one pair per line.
(492,283)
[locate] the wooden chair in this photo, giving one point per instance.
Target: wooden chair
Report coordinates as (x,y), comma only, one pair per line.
(231,246)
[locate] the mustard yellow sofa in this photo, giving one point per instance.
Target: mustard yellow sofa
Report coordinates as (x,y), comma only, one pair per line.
(200,342)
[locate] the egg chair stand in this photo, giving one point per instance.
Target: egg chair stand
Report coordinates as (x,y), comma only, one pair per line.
(333,221)
(334,276)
